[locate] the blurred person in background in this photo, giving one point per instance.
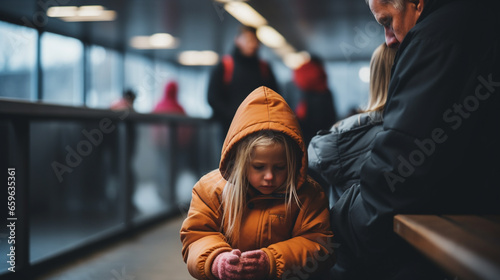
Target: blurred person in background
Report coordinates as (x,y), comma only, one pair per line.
(126,102)
(185,157)
(238,74)
(169,104)
(315,110)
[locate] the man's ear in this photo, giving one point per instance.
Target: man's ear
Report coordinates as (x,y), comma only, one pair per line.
(418,5)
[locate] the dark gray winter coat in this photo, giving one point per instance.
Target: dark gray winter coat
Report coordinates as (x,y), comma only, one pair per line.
(337,154)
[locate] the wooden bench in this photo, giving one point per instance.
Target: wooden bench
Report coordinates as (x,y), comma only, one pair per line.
(466,246)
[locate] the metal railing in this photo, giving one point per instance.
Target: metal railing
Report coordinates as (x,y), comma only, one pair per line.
(85,176)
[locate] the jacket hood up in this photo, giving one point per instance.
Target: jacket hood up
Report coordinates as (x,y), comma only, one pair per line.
(263,109)
(169,103)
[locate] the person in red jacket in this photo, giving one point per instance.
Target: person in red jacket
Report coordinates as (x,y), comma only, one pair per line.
(169,103)
(315,110)
(259,216)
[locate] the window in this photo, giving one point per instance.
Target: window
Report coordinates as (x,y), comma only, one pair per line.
(62,69)
(105,79)
(164,73)
(193,84)
(140,77)
(17,61)
(349,92)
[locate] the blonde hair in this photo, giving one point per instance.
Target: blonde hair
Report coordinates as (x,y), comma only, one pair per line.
(234,193)
(380,76)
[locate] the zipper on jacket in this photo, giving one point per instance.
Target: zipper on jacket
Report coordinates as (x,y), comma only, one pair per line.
(270,230)
(262,222)
(261,227)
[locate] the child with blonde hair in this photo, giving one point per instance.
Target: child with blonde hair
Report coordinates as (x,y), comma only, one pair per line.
(338,154)
(259,216)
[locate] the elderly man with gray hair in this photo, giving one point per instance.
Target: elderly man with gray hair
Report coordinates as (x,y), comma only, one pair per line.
(439,148)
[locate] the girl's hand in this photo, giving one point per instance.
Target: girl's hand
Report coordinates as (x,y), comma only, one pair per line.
(255,264)
(226,265)
(251,265)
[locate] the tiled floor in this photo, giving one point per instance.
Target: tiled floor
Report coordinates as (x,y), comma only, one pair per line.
(153,255)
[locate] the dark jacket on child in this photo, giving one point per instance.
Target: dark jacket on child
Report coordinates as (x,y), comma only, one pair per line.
(337,154)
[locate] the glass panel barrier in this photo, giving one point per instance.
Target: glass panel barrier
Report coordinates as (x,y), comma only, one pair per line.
(76,190)
(86,175)
(150,168)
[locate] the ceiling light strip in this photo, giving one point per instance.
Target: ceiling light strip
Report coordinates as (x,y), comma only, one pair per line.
(83,13)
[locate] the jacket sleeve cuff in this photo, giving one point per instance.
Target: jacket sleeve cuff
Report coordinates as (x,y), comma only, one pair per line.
(272,263)
(210,259)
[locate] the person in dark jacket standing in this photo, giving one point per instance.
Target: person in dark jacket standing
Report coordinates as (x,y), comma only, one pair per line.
(438,151)
(236,75)
(315,110)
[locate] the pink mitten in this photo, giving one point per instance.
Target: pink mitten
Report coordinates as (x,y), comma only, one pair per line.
(227,266)
(255,265)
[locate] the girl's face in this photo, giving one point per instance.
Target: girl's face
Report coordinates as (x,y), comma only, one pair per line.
(267,170)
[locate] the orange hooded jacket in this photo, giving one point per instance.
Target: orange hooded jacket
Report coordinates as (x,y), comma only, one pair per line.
(297,243)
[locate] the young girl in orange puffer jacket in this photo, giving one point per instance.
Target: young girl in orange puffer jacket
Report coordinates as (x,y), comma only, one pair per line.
(259,216)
